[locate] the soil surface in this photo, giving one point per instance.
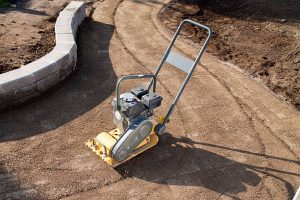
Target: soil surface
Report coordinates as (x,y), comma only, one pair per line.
(229,136)
(27,32)
(261,36)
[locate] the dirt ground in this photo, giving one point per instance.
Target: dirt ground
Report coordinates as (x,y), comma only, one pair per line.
(229,136)
(262,37)
(27,33)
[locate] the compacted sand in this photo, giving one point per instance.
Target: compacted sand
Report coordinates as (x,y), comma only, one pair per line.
(229,137)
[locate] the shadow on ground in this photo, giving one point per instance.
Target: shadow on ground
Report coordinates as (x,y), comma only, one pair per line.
(10,187)
(92,83)
(23,10)
(176,161)
(23,7)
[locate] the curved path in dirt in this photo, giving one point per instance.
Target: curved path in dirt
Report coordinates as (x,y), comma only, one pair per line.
(229,136)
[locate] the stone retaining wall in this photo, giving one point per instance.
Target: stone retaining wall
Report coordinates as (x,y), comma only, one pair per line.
(20,85)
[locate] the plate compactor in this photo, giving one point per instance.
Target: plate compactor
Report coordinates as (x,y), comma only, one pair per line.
(133,112)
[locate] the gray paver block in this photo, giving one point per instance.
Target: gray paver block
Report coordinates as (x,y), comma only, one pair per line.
(26,98)
(61,58)
(65,47)
(67,69)
(1,90)
(47,82)
(65,19)
(15,79)
(41,68)
(64,38)
(76,7)
(19,93)
(63,29)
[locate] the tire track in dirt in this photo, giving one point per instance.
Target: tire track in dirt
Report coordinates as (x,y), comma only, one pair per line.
(168,91)
(43,142)
(212,76)
(141,70)
(249,121)
(239,103)
(250,116)
(138,164)
(237,99)
(148,171)
(136,59)
(242,109)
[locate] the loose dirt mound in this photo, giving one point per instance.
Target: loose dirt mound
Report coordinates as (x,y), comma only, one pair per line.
(27,33)
(261,37)
(16,56)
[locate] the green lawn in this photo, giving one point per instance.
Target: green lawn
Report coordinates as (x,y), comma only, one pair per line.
(4,3)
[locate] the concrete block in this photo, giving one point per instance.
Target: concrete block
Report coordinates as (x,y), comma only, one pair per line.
(74,63)
(67,48)
(64,38)
(47,82)
(1,90)
(66,71)
(74,31)
(11,97)
(4,99)
(73,54)
(27,90)
(79,17)
(15,79)
(69,12)
(63,29)
(78,8)
(41,68)
(19,93)
(75,5)
(26,98)
(61,58)
(65,19)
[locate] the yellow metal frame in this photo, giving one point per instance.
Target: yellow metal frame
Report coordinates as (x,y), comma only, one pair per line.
(104,142)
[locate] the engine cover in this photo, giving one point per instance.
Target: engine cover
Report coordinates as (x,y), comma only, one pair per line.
(136,132)
(130,106)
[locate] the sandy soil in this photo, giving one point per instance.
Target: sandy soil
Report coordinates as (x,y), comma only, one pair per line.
(223,142)
(27,33)
(261,37)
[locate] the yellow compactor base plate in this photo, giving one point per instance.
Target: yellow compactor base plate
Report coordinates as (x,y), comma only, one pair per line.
(103,143)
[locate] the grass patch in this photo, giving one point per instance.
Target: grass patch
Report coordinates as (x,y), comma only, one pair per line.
(4,3)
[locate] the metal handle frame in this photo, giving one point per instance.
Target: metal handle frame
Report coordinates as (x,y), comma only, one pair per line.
(166,54)
(196,61)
